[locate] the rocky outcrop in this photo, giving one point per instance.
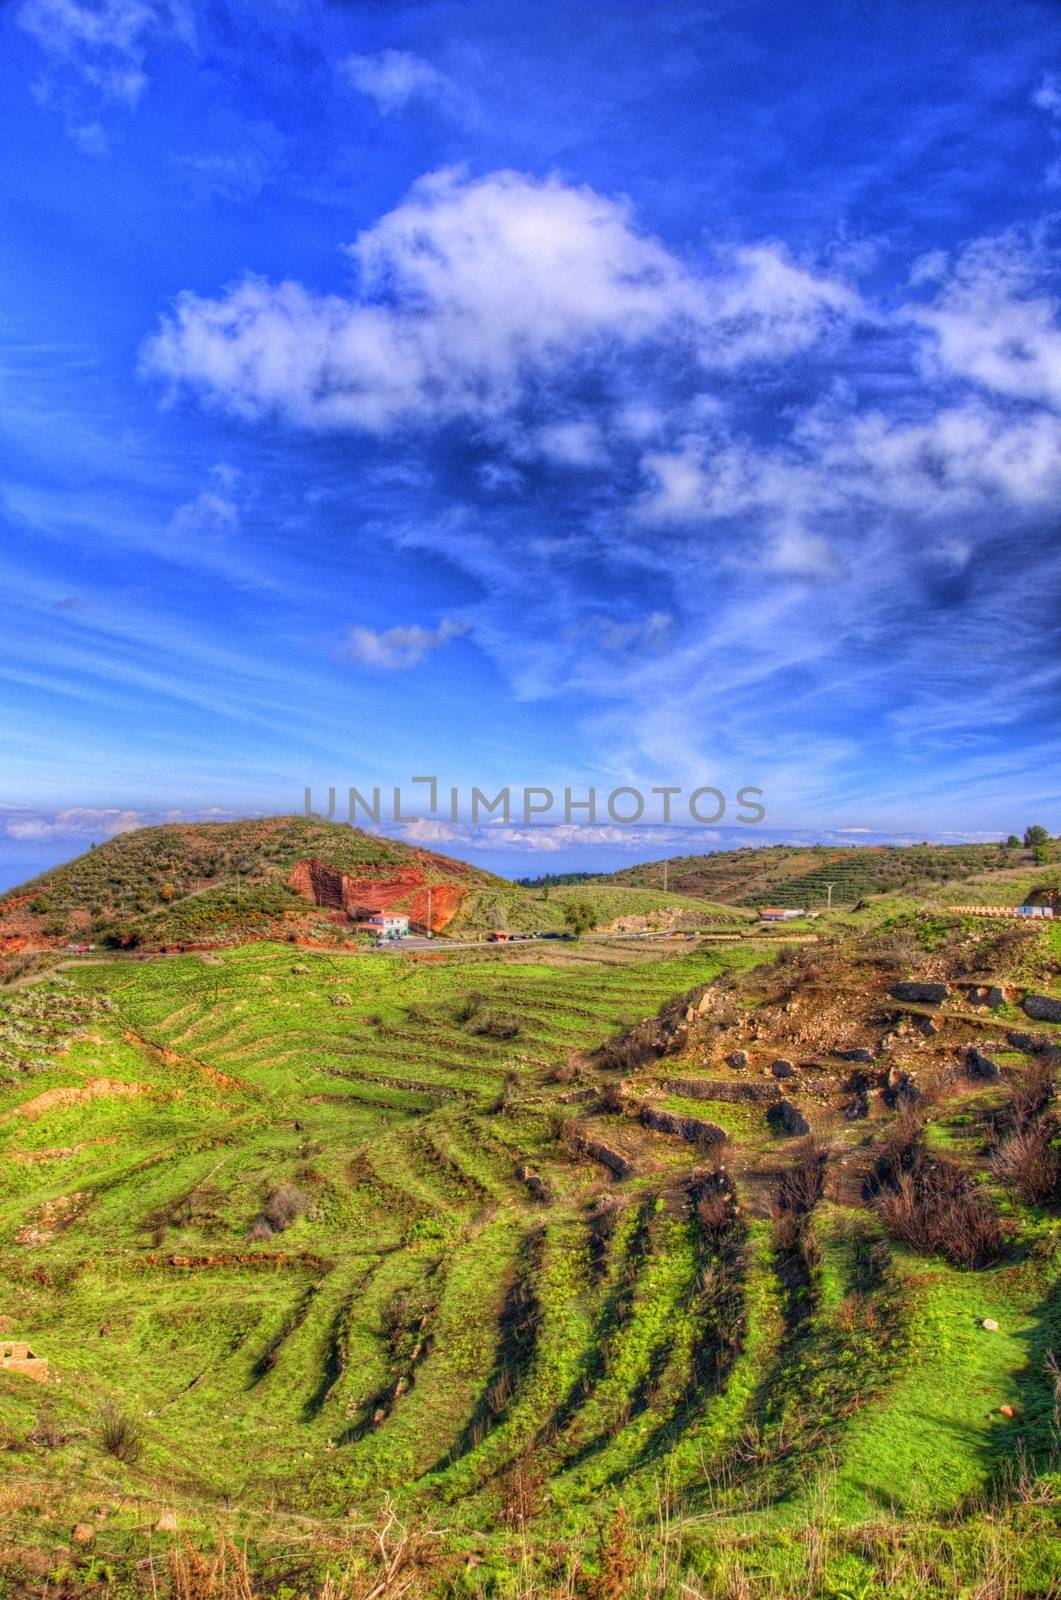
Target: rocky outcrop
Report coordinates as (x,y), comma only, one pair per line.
(785,1119)
(782,1068)
(1030,1044)
(858,1054)
(324,885)
(921,994)
(1041,1008)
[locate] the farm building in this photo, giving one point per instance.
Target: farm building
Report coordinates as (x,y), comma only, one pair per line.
(780,914)
(16,1356)
(387,925)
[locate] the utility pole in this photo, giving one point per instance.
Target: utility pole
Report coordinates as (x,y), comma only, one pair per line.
(665,865)
(429,911)
(829,903)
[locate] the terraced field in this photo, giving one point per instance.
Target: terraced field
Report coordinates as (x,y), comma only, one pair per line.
(508,1245)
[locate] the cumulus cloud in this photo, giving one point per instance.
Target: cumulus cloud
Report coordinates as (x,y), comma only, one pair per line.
(104,44)
(396,78)
(470,291)
(397,649)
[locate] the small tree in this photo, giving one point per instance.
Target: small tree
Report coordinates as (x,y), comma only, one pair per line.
(1034,836)
(1013,843)
(1042,855)
(579,917)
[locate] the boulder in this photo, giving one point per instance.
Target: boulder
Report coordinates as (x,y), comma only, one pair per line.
(737,1059)
(782,1068)
(857,1107)
(1041,1008)
(921,994)
(786,1120)
(994,997)
(1031,1044)
(990,1325)
(981,1067)
(858,1054)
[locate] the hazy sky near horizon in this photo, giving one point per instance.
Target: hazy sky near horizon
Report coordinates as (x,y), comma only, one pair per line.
(529,393)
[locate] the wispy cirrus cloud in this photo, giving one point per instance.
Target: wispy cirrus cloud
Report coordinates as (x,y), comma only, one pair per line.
(95,54)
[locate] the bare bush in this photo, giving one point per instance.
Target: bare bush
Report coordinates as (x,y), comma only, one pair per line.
(120,1435)
(1032,1094)
(936,1209)
(802,1183)
(1030,1163)
(284,1205)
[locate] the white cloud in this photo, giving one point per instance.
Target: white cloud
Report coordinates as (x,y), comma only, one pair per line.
(213,509)
(468,292)
(989,323)
(396,78)
(573,444)
(76,822)
(1047,96)
(398,649)
(104,44)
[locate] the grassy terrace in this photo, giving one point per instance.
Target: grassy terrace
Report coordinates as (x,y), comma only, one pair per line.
(274,1205)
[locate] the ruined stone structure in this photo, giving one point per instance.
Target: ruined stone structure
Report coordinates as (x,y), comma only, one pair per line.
(16,1356)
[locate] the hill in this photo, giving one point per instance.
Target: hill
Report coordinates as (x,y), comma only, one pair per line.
(201,881)
(788,875)
(568,1271)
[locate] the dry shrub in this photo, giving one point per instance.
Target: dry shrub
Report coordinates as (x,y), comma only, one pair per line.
(802,1183)
(619,1563)
(936,1209)
(497,1026)
(120,1435)
(282,1206)
(1032,1094)
(221,1576)
(1030,1163)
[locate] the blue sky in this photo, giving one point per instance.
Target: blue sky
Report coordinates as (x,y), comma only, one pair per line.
(530,394)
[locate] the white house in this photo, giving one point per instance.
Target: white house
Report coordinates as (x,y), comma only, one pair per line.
(387,925)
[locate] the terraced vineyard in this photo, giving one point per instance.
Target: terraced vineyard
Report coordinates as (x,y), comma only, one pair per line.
(511,1245)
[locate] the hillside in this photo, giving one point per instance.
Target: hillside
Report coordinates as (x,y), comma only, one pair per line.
(787,875)
(220,884)
(574,1271)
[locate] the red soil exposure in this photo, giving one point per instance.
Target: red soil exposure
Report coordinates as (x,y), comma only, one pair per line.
(323,885)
